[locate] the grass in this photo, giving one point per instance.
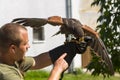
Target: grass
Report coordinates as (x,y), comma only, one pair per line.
(36,75)
(43,75)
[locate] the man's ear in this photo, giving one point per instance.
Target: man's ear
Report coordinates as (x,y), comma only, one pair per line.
(12,48)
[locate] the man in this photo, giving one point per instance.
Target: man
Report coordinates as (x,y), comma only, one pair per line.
(13,62)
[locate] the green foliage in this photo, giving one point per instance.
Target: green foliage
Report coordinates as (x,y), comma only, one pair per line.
(97,66)
(109,29)
(78,71)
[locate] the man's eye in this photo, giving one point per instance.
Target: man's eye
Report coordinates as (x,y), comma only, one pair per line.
(25,43)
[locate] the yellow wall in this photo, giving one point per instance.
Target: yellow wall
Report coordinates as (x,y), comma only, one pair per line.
(88,14)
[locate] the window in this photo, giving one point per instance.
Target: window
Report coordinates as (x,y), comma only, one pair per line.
(38,35)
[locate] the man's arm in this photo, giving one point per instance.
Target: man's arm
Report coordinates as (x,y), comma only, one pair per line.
(44,60)
(47,58)
(41,61)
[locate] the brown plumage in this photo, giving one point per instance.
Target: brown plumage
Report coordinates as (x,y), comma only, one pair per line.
(74,27)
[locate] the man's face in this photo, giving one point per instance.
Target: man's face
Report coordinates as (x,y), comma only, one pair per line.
(23,47)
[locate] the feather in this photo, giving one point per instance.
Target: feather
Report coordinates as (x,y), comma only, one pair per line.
(56,33)
(32,22)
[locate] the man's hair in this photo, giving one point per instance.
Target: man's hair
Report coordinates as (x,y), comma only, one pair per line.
(10,34)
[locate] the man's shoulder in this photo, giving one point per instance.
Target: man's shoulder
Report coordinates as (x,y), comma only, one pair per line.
(9,73)
(4,69)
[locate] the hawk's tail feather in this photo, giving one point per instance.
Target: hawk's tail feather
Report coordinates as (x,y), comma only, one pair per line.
(56,33)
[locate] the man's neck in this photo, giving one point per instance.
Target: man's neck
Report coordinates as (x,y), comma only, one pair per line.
(5,59)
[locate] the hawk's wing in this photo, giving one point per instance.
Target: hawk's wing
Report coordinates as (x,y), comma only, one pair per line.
(99,48)
(38,22)
(32,22)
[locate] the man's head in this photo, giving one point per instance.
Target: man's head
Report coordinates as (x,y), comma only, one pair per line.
(13,40)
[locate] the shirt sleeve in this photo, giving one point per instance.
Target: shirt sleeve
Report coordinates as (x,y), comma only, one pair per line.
(27,64)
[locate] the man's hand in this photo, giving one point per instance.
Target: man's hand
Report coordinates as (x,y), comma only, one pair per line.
(59,66)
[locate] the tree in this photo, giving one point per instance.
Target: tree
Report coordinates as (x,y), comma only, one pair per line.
(109,29)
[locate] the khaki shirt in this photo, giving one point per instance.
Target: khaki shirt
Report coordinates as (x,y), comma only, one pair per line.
(15,72)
